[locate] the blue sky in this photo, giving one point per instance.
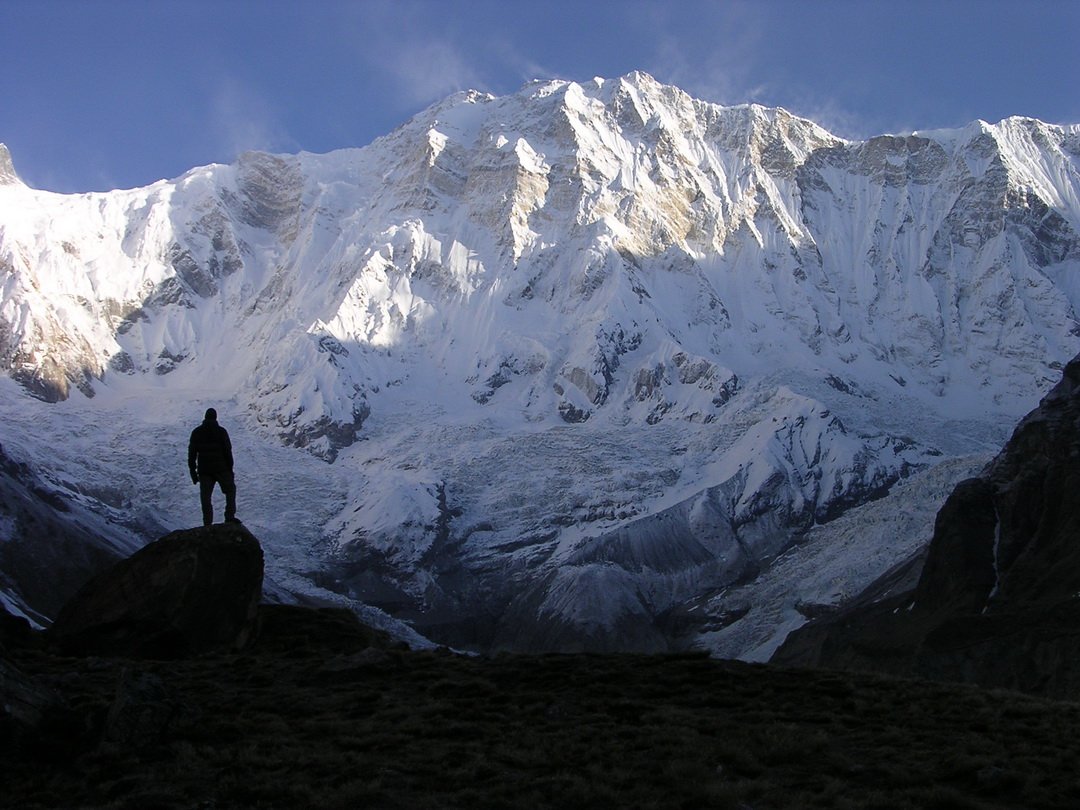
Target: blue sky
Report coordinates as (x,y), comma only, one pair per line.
(119,93)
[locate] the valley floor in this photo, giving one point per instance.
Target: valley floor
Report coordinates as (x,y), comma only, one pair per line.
(304,719)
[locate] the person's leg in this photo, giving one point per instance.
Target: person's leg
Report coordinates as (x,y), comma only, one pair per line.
(228,486)
(206,490)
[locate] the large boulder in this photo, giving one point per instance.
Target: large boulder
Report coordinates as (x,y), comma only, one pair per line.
(190,592)
(998,599)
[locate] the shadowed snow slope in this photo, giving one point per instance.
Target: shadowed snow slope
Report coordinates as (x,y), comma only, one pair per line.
(551,366)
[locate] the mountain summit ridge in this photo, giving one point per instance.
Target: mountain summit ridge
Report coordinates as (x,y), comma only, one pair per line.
(586,333)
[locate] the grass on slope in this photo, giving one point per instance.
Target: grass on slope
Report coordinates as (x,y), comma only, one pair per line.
(299,724)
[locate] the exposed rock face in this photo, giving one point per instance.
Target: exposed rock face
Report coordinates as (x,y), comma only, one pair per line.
(7,169)
(192,591)
(998,601)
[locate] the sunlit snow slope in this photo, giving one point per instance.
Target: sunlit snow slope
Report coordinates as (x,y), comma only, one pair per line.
(552,370)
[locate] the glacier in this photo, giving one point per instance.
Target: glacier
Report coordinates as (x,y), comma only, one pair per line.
(591,366)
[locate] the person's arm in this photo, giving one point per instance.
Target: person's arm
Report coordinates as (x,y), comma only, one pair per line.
(192,457)
(227,445)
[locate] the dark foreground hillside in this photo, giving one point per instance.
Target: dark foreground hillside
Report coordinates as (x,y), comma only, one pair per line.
(321,713)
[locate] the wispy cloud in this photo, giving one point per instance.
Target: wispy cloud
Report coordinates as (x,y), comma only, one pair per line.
(412,47)
(518,65)
(426,69)
(242,119)
(728,70)
(740,61)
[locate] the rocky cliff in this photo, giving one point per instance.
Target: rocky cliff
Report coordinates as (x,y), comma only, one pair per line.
(998,600)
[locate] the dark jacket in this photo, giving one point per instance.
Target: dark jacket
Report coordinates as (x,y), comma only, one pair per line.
(210,450)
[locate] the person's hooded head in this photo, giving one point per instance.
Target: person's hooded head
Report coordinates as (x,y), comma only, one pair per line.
(211,415)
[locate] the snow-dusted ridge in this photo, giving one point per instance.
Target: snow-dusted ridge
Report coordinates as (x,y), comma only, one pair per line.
(577,356)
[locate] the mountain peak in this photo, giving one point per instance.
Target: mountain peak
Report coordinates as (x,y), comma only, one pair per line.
(640,78)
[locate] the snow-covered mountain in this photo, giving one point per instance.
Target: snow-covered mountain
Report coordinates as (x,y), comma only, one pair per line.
(553,370)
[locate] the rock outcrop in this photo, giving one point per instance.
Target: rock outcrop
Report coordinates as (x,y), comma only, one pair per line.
(190,592)
(7,168)
(998,600)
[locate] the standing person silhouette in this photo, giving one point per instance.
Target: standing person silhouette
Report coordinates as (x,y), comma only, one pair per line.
(210,462)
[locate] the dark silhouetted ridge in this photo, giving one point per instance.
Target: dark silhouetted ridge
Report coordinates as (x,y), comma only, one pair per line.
(998,600)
